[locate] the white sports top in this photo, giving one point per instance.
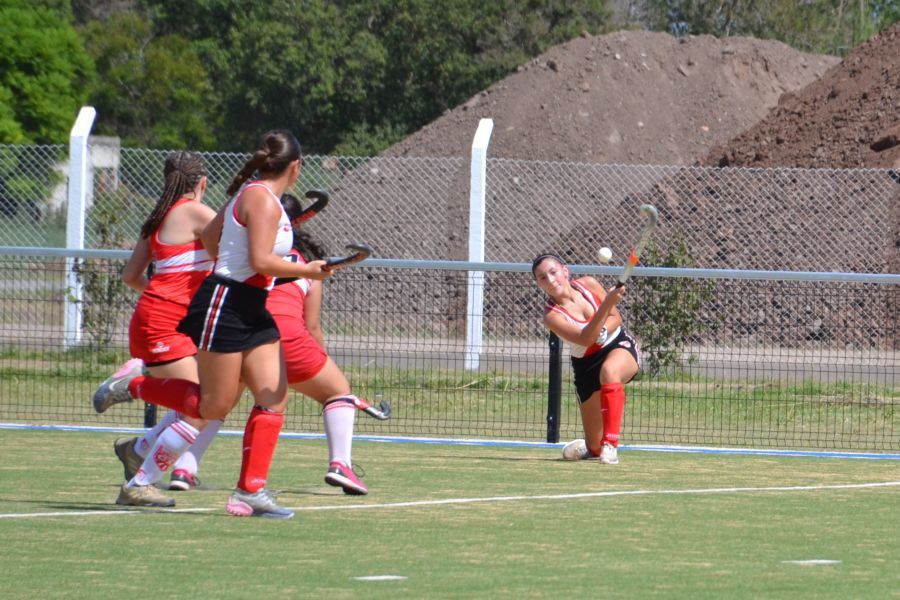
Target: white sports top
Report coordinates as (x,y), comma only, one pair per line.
(605,337)
(234,254)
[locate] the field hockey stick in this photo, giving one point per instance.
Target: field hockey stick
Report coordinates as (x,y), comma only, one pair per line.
(649,211)
(319,199)
(360,252)
(382,412)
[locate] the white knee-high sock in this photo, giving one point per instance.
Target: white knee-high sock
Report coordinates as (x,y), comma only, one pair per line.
(171,444)
(146,441)
(190,460)
(339,416)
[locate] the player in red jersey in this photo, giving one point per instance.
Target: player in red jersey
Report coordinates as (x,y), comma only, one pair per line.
(170,244)
(604,355)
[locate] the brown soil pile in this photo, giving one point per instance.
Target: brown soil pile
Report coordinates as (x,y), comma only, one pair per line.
(630,97)
(848,118)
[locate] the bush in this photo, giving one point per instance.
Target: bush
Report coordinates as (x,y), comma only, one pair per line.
(665,314)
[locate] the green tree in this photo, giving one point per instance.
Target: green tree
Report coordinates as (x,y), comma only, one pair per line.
(360,74)
(152,90)
(666,314)
(823,26)
(44,72)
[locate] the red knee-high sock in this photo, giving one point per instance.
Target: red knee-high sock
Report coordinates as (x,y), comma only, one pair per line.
(260,438)
(612,403)
(178,394)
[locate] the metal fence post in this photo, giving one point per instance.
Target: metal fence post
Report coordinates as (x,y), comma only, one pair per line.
(79,188)
(554,389)
(475,301)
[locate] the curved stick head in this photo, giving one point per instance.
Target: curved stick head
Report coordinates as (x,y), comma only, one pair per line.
(359,253)
(649,211)
(319,198)
(382,413)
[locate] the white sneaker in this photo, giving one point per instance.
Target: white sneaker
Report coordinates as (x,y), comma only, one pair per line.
(609,455)
(258,504)
(576,450)
(115,389)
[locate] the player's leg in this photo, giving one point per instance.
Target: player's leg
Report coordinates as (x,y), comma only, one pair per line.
(592,422)
(171,443)
(263,372)
(185,473)
(330,388)
(132,451)
(619,367)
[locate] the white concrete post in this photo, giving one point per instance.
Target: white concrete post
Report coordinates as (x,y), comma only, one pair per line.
(478,184)
(80,183)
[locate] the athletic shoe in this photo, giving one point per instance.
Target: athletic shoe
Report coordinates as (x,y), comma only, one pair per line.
(342,476)
(259,504)
(115,389)
(609,455)
(142,495)
(182,481)
(130,459)
(576,450)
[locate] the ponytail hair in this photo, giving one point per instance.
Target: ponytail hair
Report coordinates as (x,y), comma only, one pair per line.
(182,171)
(303,242)
(277,150)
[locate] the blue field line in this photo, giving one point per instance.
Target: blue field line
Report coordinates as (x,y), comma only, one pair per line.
(508,443)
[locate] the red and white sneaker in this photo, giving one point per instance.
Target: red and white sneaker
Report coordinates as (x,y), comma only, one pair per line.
(342,476)
(182,480)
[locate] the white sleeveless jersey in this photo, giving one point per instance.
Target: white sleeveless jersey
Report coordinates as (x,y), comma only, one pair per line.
(234,254)
(605,337)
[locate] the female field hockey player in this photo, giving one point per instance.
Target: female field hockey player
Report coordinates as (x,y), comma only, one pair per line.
(170,242)
(604,355)
(296,308)
(236,336)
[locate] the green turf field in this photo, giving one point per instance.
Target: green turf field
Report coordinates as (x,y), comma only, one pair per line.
(453,521)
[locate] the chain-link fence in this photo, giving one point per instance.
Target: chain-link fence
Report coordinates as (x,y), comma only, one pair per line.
(418,208)
(834,343)
(33,195)
(741,381)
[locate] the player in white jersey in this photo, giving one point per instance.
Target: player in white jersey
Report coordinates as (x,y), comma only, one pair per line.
(604,355)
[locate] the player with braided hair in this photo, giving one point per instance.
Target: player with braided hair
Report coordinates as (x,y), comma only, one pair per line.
(170,243)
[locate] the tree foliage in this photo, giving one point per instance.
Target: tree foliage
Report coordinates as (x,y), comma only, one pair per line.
(44,72)
(821,26)
(360,74)
(154,91)
(346,75)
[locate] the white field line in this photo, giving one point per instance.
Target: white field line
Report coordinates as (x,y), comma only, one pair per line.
(485,500)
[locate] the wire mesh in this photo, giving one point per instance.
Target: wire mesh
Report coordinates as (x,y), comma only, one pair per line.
(418,208)
(756,365)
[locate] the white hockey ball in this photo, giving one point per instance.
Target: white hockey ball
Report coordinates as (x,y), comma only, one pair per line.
(604,255)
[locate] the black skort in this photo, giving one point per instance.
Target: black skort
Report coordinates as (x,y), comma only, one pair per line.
(228,316)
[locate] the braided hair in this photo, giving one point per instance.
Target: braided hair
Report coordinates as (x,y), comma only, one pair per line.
(277,150)
(182,171)
(303,241)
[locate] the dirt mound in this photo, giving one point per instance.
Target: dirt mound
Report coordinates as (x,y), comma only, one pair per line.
(848,118)
(630,97)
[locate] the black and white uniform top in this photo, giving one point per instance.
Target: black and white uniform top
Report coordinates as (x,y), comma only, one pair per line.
(228,312)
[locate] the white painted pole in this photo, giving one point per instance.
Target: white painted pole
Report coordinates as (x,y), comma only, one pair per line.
(478,185)
(79,188)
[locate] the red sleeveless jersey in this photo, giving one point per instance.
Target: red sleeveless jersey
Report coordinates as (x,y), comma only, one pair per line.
(178,269)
